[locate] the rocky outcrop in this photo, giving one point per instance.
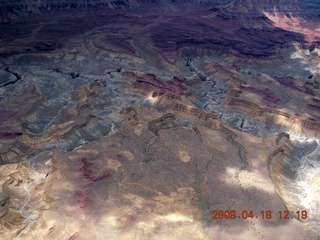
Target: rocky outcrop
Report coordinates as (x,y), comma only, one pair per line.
(245,106)
(279,117)
(197,114)
(150,82)
(290,170)
(224,74)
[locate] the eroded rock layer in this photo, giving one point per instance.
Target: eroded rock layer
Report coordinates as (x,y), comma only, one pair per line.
(122,123)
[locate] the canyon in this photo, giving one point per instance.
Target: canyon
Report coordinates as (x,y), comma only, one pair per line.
(140,119)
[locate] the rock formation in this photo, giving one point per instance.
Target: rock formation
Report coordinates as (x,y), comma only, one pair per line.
(159,119)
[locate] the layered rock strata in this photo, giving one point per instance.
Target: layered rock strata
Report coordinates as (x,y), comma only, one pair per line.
(119,123)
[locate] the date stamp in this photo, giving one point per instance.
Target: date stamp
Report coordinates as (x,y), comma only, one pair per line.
(264,214)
